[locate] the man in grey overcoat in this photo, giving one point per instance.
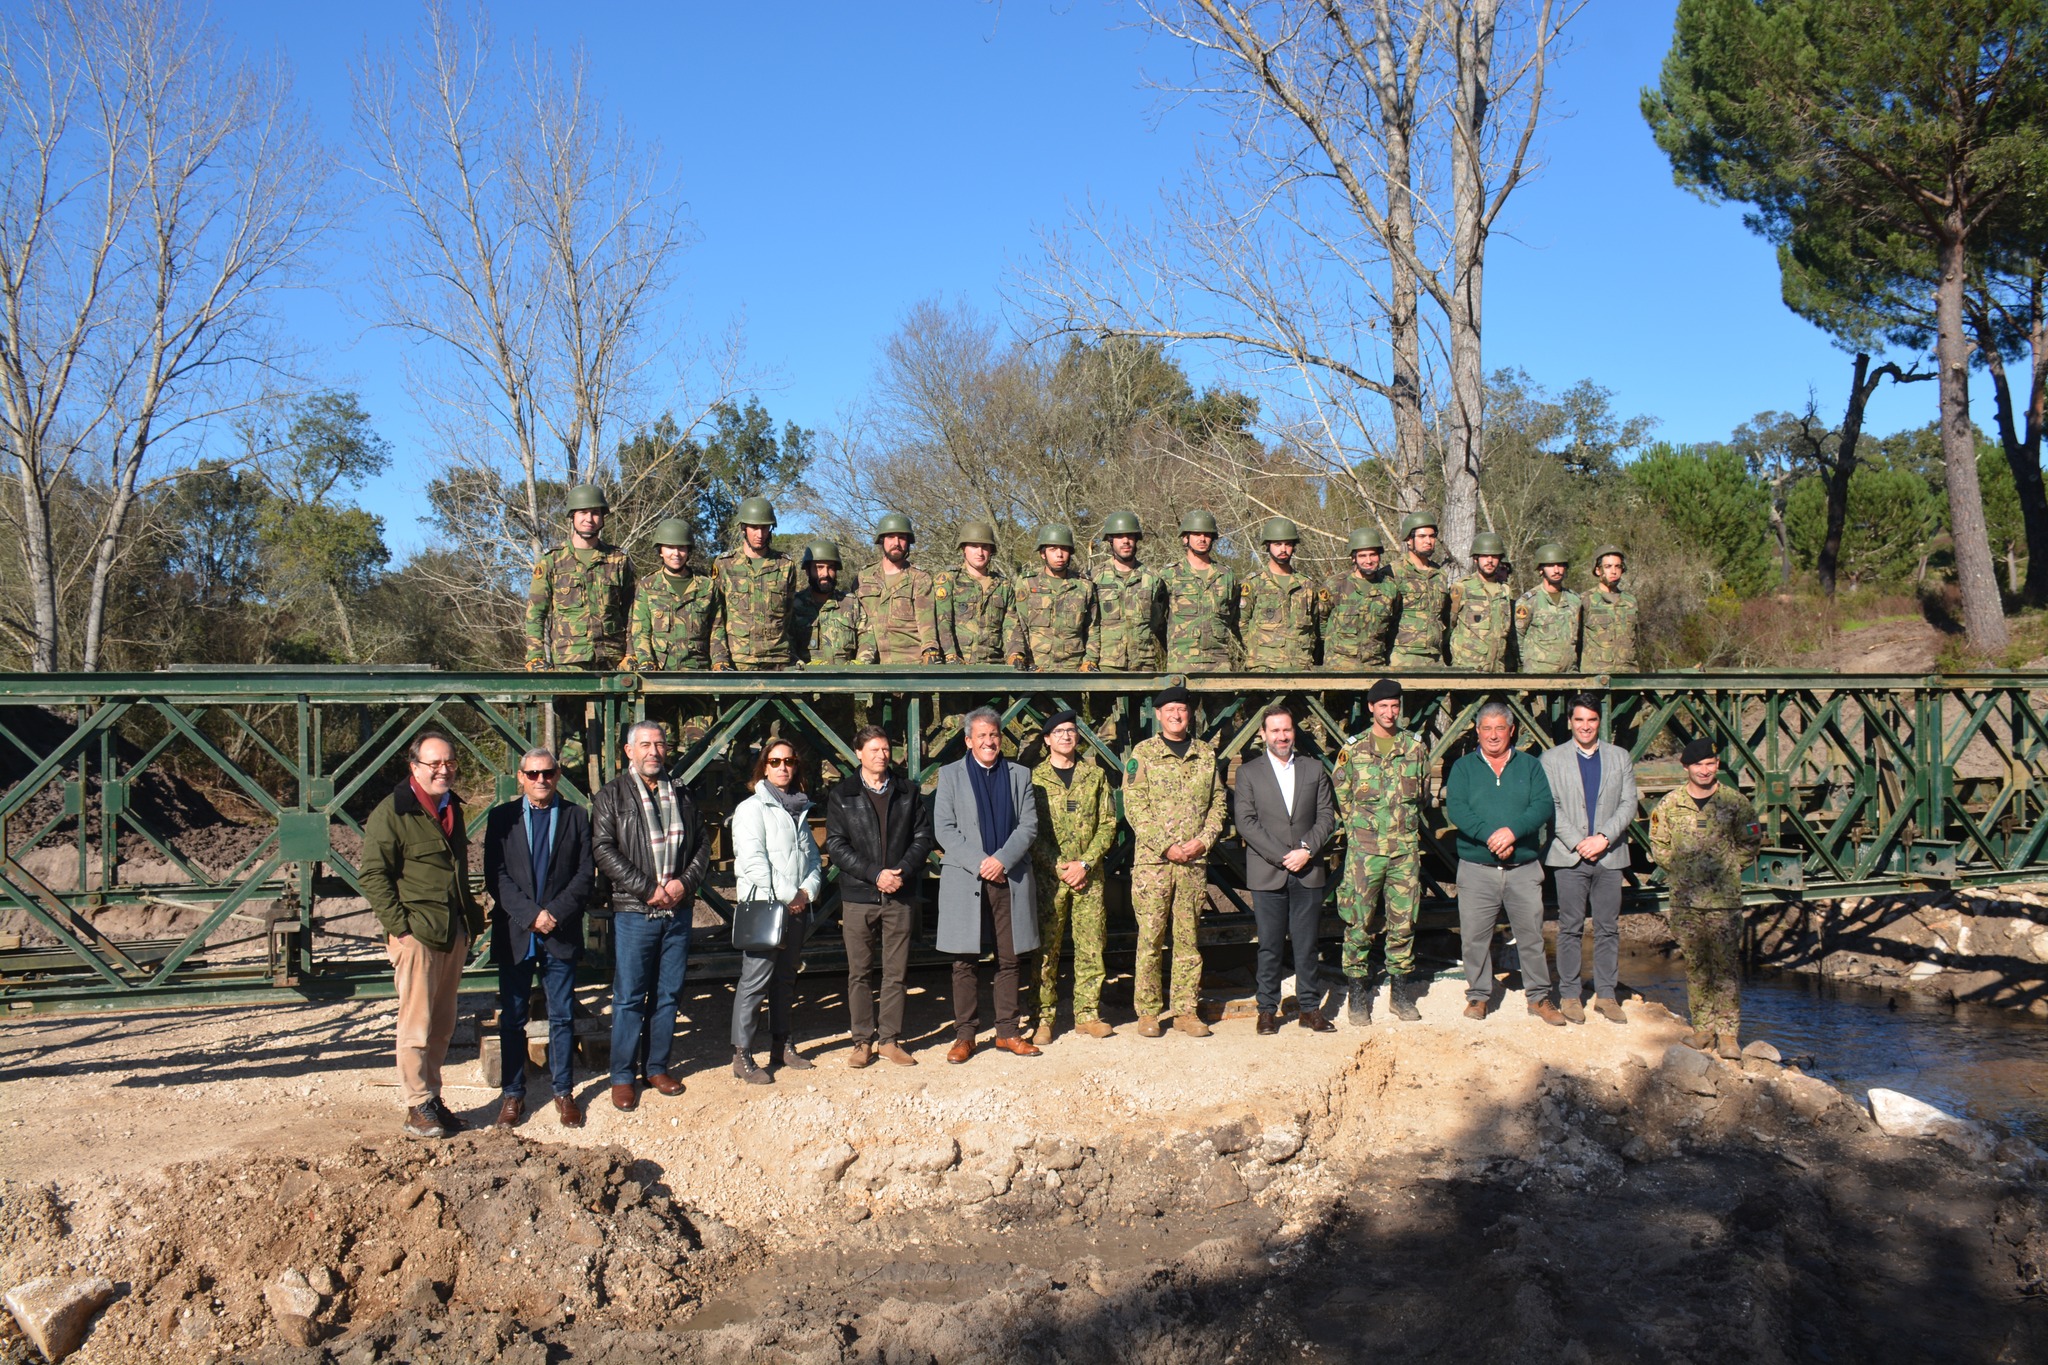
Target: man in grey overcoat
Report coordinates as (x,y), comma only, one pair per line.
(986,821)
(1593,784)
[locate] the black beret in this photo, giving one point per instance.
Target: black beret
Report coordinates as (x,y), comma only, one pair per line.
(1699,751)
(1170,694)
(1059,718)
(1382,690)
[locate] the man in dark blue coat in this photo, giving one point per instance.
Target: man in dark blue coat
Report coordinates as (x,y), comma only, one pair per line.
(539,873)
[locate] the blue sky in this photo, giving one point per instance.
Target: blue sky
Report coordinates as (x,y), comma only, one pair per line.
(843,161)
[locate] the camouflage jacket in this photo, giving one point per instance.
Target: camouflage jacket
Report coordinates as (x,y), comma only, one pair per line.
(1704,848)
(1419,634)
(1201,618)
(827,629)
(1607,632)
(1059,616)
(1482,624)
(673,614)
(1358,620)
(1379,794)
(1130,620)
(756,610)
(1277,617)
(1547,631)
(1074,821)
(898,618)
(1169,800)
(579,607)
(978,621)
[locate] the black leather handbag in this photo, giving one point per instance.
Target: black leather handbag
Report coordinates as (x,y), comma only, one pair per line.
(758,926)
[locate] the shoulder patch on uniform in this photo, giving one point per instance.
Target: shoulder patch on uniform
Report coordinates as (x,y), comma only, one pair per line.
(1131,766)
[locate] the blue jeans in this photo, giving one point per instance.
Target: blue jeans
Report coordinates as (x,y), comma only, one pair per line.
(515,992)
(652,954)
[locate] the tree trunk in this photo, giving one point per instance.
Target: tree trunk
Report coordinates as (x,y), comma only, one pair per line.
(2021,438)
(108,548)
(1465,422)
(1983,613)
(1396,100)
(1839,474)
(39,555)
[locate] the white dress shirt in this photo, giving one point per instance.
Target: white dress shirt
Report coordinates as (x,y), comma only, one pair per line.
(1283,773)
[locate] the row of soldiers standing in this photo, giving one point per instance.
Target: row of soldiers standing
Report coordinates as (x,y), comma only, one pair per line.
(759,609)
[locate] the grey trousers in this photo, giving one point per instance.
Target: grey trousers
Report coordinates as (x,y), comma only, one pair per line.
(769,975)
(1576,888)
(1483,893)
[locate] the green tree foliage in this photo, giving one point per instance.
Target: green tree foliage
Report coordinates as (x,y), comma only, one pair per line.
(1710,497)
(1893,519)
(665,472)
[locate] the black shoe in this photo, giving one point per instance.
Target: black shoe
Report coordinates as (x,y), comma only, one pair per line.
(449,1122)
(745,1069)
(1401,997)
(1359,1007)
(784,1053)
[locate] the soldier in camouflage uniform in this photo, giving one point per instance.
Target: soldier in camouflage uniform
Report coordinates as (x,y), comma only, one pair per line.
(579,612)
(1379,781)
(1058,606)
(1201,603)
(827,620)
(1483,610)
(898,603)
(1703,835)
(1425,590)
(757,591)
(1174,800)
(977,606)
(1278,609)
(1547,618)
(1359,608)
(1607,631)
(673,613)
(1130,605)
(1076,826)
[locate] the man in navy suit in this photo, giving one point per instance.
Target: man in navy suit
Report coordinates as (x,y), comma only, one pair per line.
(539,873)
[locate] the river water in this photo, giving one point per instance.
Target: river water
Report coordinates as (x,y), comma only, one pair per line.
(1978,1060)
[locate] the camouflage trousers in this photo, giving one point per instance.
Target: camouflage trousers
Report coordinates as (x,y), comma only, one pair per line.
(1379,897)
(1059,906)
(1712,943)
(1163,894)
(1405,658)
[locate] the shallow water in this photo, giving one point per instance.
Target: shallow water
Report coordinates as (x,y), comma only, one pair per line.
(1978,1060)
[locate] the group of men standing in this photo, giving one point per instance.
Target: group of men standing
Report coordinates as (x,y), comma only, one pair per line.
(758,608)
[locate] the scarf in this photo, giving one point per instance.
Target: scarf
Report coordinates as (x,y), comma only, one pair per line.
(795,802)
(440,808)
(665,832)
(992,807)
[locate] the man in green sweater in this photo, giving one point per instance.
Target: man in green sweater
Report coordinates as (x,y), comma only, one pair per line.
(1500,802)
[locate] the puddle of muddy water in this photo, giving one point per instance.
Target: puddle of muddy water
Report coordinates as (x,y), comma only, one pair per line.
(1978,1060)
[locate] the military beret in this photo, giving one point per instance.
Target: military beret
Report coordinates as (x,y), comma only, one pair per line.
(1699,751)
(1059,718)
(1168,695)
(1382,690)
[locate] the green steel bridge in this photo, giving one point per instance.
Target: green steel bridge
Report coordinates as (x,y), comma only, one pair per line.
(113,896)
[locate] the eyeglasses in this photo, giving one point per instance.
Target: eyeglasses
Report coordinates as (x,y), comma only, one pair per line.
(540,774)
(438,765)
(780,763)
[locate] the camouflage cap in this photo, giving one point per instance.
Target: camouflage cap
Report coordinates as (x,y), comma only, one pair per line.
(1415,521)
(1053,533)
(1366,538)
(675,531)
(756,512)
(1489,543)
(587,497)
(977,533)
(1278,529)
(1198,522)
(1122,524)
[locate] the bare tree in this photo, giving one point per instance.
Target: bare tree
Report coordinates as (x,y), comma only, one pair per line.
(158,192)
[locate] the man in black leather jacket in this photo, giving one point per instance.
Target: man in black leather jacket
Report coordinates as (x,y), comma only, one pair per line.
(878,833)
(654,895)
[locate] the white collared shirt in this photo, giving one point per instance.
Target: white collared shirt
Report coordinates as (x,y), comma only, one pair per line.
(1283,773)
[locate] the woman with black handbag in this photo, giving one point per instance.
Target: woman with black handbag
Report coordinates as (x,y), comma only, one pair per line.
(778,875)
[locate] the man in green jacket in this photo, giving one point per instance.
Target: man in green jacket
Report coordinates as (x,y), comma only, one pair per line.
(415,872)
(1076,826)
(1499,800)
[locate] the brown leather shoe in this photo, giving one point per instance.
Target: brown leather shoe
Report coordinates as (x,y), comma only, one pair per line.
(568,1111)
(1268,1024)
(1548,1013)
(1094,1028)
(625,1098)
(960,1052)
(1016,1047)
(1573,1009)
(510,1110)
(893,1052)
(863,1054)
(666,1084)
(1313,1021)
(1610,1009)
(1475,1009)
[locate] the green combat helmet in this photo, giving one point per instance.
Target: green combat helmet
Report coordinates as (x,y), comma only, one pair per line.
(675,531)
(977,533)
(1550,552)
(1053,533)
(1121,524)
(1606,550)
(1366,538)
(822,552)
(1488,543)
(756,512)
(1415,521)
(894,524)
(587,497)
(1278,528)
(1198,523)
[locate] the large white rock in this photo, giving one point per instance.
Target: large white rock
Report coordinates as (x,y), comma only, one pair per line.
(1686,1069)
(290,1295)
(55,1314)
(1900,1115)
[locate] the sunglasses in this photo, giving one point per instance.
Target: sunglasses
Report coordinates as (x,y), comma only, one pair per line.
(780,763)
(540,774)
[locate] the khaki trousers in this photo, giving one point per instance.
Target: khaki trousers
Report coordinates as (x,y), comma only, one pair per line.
(427,982)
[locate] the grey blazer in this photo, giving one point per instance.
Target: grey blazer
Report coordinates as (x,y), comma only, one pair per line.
(1269,832)
(1618,804)
(958,828)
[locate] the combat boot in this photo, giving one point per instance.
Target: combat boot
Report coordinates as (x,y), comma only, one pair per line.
(1358,1005)
(1401,994)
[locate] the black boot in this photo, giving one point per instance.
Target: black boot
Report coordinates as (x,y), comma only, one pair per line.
(1359,1007)
(1401,995)
(781,1053)
(743,1068)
